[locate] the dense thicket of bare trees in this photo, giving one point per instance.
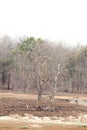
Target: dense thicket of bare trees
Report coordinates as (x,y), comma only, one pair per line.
(39,66)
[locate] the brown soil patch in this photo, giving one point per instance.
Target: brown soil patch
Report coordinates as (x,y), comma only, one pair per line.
(16,104)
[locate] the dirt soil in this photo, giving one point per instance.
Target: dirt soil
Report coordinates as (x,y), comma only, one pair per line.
(26,126)
(11,103)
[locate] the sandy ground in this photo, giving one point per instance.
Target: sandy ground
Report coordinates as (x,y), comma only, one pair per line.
(28,126)
(30,96)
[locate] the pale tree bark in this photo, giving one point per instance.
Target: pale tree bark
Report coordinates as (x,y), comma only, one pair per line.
(54,88)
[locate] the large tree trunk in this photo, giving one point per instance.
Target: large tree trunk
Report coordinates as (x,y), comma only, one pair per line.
(39,89)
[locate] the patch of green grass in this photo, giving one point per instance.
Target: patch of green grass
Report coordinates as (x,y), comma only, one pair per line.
(25,127)
(84,126)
